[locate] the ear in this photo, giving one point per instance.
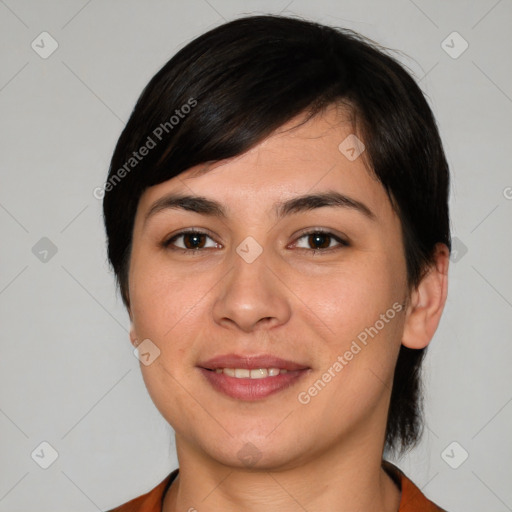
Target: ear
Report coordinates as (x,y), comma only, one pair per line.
(133,337)
(427,302)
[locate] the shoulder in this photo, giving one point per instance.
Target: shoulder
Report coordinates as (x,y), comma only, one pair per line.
(412,500)
(151,501)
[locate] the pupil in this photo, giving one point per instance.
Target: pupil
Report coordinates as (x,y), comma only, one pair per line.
(193,244)
(317,238)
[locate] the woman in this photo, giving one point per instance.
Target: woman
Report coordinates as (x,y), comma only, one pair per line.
(277,219)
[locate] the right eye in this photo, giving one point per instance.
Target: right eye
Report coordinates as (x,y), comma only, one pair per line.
(192,241)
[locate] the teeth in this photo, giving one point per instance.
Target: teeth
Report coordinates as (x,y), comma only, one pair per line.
(244,373)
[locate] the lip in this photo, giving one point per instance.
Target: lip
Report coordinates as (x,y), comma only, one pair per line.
(250,362)
(251,389)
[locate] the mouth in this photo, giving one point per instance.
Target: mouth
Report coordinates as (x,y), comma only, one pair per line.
(251,377)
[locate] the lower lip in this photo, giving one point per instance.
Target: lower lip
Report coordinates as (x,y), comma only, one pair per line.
(252,389)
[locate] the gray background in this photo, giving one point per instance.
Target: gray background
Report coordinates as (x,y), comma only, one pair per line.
(68,373)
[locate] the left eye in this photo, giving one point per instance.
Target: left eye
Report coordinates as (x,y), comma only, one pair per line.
(322,240)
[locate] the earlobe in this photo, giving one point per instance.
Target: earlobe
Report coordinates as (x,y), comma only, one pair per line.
(427,302)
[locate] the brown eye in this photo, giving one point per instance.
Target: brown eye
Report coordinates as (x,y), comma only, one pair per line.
(194,240)
(189,241)
(320,241)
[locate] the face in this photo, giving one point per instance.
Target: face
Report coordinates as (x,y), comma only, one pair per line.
(274,283)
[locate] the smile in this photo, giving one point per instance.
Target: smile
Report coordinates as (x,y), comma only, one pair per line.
(251,385)
(249,376)
(244,373)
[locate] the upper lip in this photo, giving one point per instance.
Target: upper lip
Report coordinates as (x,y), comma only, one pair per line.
(250,362)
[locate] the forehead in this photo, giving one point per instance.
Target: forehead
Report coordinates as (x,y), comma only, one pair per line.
(299,158)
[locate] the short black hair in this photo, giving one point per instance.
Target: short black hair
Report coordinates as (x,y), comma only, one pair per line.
(231,87)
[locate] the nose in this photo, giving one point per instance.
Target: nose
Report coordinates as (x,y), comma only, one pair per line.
(252,296)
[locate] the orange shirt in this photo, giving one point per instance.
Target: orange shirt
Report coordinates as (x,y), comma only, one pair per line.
(412,499)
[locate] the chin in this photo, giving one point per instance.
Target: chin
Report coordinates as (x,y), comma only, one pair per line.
(258,452)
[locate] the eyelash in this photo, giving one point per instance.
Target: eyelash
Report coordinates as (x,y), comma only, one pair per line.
(342,243)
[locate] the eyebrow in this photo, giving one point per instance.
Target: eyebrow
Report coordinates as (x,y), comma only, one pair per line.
(282,209)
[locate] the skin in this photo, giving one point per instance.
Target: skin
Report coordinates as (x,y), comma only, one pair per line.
(326,454)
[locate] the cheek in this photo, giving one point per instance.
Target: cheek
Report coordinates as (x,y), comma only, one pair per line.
(358,352)
(354,297)
(361,305)
(162,298)
(166,309)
